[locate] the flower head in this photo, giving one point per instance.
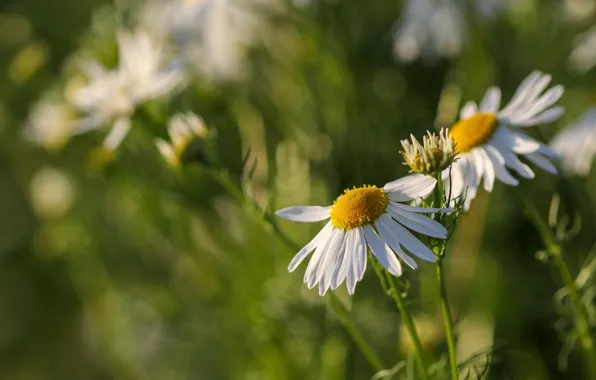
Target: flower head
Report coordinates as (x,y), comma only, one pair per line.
(183,129)
(435,153)
(112,96)
(363,217)
(489,141)
(577,144)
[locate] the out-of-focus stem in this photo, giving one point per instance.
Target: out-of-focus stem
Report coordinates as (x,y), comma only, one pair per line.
(447,319)
(582,323)
(392,289)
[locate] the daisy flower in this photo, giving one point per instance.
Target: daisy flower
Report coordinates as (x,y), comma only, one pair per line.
(577,144)
(436,28)
(111,96)
(366,217)
(489,141)
(183,130)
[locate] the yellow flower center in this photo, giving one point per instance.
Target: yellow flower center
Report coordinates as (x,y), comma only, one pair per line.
(358,207)
(474,131)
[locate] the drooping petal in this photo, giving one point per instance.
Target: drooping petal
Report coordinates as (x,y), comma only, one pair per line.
(542,163)
(391,239)
(410,242)
(321,238)
(117,134)
(499,165)
(305,213)
(381,251)
(516,141)
(418,223)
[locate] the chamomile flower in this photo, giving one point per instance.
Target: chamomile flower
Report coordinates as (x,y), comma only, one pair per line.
(577,144)
(183,130)
(363,217)
(434,154)
(489,141)
(111,96)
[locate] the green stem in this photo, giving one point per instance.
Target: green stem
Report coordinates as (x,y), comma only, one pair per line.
(270,225)
(439,250)
(447,319)
(393,291)
(555,249)
(344,317)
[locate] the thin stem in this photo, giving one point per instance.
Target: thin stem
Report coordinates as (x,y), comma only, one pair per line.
(556,251)
(447,319)
(439,250)
(344,317)
(393,291)
(270,225)
(409,323)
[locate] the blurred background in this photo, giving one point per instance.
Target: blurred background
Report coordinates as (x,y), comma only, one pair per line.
(131,270)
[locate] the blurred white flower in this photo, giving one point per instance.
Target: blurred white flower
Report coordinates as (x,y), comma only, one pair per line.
(51,123)
(436,28)
(489,140)
(577,144)
(363,217)
(111,96)
(579,10)
(209,35)
(583,56)
(183,130)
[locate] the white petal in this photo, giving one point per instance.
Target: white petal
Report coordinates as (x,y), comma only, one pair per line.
(305,213)
(491,100)
(321,238)
(429,210)
(343,266)
(410,187)
(381,251)
(542,162)
(513,162)
(361,251)
(352,256)
(389,237)
(546,100)
(521,94)
(468,110)
(488,170)
(410,242)
(547,116)
(330,258)
(418,223)
(499,165)
(516,141)
(117,134)
(310,275)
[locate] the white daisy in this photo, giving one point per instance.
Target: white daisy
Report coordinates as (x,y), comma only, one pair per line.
(583,56)
(111,96)
(577,144)
(430,29)
(209,35)
(436,28)
(183,130)
(361,217)
(489,141)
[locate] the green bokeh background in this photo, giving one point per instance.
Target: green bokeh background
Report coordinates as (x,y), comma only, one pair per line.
(151,274)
